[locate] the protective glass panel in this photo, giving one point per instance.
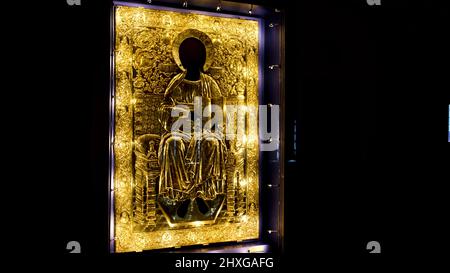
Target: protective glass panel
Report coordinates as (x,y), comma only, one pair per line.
(180,177)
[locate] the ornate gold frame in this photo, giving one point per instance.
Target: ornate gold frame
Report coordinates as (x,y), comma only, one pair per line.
(141,37)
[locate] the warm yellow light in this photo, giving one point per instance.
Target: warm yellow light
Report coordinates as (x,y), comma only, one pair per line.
(245,72)
(257,249)
(119,145)
(244,139)
(251,139)
(248,139)
(243,182)
(166,237)
(139,16)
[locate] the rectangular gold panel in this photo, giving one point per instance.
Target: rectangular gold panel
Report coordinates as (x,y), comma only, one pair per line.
(145,63)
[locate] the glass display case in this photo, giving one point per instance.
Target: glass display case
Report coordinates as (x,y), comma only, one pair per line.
(196,127)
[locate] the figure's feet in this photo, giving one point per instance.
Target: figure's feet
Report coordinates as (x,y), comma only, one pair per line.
(191,210)
(183,208)
(202,206)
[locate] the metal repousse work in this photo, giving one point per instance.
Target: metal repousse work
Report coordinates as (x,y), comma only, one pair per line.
(153,181)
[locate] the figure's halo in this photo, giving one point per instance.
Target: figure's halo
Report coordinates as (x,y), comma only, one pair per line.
(202,37)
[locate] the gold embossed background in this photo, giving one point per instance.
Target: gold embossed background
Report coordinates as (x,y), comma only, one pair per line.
(144,65)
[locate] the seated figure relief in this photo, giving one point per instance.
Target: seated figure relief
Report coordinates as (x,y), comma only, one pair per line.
(184,172)
(192,178)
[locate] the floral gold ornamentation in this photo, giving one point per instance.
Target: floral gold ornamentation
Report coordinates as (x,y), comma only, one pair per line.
(146,61)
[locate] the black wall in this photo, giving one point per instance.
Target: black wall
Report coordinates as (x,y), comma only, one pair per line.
(366,87)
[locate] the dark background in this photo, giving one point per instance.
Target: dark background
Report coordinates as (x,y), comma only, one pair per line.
(366,85)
